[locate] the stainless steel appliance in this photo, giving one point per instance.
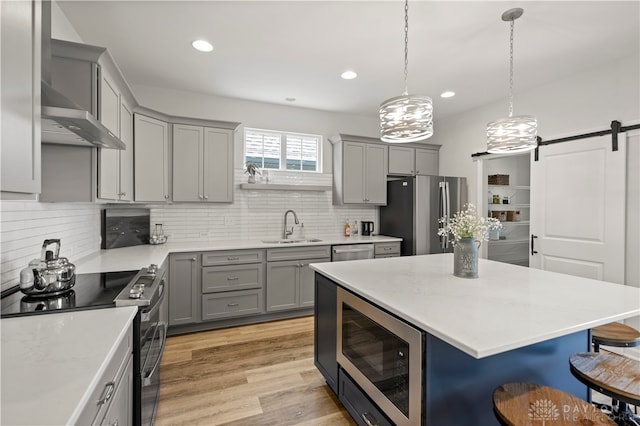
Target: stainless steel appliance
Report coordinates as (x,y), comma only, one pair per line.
(414,207)
(49,275)
(367,228)
(144,288)
(383,355)
(352,252)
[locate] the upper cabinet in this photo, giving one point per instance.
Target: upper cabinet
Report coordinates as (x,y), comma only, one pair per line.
(202,164)
(20,123)
(407,160)
(359,170)
(151,159)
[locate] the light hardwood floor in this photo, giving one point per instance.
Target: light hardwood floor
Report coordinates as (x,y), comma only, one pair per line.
(256,375)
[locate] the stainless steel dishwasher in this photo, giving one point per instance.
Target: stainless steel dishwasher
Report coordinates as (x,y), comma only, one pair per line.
(352,252)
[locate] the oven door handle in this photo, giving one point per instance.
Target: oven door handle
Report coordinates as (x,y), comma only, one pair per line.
(146,315)
(147,377)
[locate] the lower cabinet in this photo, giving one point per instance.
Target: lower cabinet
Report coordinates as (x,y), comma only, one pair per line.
(184,288)
(111,401)
(325,332)
(290,281)
(232,304)
(391,249)
(363,411)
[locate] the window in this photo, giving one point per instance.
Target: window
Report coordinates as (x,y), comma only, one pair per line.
(282,151)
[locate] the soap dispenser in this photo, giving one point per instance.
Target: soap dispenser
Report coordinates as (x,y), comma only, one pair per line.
(347,229)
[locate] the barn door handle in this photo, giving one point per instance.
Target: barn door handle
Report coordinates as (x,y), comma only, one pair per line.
(533,237)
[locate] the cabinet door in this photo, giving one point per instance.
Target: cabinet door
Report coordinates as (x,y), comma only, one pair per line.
(151,159)
(20,88)
(109,106)
(187,163)
(184,290)
(108,173)
(353,164)
(120,411)
(126,155)
(376,174)
(282,285)
(218,165)
(426,162)
(401,160)
(307,282)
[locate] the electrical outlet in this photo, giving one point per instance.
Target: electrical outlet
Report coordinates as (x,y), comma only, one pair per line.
(229,221)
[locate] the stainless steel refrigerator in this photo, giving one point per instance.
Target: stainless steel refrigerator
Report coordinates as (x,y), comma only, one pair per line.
(414,206)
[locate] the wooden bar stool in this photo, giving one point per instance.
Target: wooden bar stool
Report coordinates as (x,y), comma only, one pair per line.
(615,334)
(613,375)
(517,404)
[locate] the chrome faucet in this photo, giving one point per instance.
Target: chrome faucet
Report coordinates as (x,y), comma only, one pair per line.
(286,232)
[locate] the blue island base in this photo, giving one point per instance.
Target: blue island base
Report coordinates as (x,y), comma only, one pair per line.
(459,388)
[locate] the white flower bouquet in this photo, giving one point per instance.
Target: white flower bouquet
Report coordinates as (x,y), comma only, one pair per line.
(467,224)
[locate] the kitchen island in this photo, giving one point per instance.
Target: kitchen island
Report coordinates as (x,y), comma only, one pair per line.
(511,324)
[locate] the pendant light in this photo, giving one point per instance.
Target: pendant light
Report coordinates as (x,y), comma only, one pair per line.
(406,118)
(513,133)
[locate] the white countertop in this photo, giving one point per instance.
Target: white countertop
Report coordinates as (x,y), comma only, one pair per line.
(52,362)
(508,307)
(136,257)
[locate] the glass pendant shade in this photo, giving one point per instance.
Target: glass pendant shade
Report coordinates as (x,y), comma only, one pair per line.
(512,134)
(406,118)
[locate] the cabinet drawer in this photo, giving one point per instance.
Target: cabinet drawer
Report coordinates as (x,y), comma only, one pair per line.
(297,253)
(232,304)
(382,256)
(214,258)
(96,408)
(363,411)
(387,248)
(232,277)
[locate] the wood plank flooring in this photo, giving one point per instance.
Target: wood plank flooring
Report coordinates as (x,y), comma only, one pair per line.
(256,375)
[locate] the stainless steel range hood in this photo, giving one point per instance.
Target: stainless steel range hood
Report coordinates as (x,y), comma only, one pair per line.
(63,121)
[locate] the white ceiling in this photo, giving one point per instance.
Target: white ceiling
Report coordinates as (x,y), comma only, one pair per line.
(267,50)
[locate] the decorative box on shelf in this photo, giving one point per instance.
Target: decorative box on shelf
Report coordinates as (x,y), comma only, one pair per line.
(498,179)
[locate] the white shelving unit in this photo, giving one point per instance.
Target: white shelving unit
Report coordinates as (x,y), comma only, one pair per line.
(512,244)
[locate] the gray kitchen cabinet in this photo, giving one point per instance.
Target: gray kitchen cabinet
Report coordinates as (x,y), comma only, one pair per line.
(151,159)
(410,161)
(401,160)
(232,284)
(290,281)
(202,164)
(359,171)
(390,249)
(115,167)
(20,52)
(426,161)
(184,288)
(112,397)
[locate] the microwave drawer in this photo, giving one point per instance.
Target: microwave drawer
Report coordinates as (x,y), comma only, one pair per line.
(363,411)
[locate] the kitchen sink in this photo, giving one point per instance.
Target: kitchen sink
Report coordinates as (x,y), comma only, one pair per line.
(281,241)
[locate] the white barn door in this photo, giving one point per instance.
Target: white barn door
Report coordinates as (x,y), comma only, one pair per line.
(578,191)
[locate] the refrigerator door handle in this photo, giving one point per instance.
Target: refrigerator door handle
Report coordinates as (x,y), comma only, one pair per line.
(447,208)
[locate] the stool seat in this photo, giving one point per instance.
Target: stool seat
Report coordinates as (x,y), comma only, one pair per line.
(522,403)
(615,334)
(611,374)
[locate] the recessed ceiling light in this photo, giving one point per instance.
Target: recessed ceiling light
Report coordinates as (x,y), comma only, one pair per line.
(290,99)
(349,75)
(447,94)
(202,45)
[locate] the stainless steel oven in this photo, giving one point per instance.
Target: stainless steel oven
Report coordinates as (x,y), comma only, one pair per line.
(147,291)
(383,355)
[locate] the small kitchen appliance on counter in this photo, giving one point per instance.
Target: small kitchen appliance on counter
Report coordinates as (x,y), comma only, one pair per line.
(50,275)
(367,228)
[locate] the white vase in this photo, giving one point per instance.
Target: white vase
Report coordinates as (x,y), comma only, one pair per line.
(252,179)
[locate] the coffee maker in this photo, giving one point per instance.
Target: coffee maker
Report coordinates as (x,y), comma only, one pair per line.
(367,228)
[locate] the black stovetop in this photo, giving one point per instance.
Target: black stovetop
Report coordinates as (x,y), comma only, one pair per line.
(91,291)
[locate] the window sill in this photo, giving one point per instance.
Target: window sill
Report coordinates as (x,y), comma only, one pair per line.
(283,187)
